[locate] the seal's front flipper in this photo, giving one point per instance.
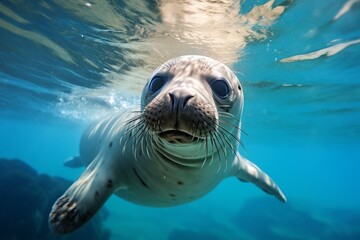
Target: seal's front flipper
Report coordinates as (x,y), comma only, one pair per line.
(73,162)
(249,172)
(83,199)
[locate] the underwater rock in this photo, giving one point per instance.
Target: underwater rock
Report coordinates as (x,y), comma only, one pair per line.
(263,218)
(26,200)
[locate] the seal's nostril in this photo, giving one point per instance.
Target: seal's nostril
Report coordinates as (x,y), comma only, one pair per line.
(186,99)
(180,98)
(173,100)
(172,97)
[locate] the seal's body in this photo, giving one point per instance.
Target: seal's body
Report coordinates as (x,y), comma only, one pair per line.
(176,148)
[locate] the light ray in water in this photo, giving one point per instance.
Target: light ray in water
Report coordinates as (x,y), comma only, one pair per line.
(328,52)
(346,8)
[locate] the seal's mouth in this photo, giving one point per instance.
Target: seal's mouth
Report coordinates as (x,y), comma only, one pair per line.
(178,136)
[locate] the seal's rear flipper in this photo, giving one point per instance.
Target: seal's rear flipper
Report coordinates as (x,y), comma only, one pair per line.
(82,200)
(249,172)
(73,162)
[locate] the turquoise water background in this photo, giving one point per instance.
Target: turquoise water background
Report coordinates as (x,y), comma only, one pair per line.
(62,67)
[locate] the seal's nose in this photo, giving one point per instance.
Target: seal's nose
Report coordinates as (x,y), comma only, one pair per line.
(179,98)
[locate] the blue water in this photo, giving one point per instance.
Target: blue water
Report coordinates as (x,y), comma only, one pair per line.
(63,64)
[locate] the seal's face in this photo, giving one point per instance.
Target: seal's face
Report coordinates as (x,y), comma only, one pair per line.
(186,98)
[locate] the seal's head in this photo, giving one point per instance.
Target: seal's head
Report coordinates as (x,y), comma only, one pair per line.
(190,98)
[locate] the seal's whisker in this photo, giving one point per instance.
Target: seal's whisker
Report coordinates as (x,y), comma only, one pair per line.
(206,151)
(134,145)
(238,72)
(209,150)
(224,150)
(213,146)
(163,59)
(149,144)
(136,111)
(133,119)
(235,126)
(232,135)
(140,134)
(227,139)
(228,132)
(245,133)
(228,62)
(138,131)
(193,135)
(224,105)
(222,144)
(219,140)
(135,134)
(134,123)
(132,126)
(229,117)
(143,142)
(230,124)
(231,147)
(216,142)
(129,130)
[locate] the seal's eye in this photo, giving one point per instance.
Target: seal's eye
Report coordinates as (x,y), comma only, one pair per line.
(156,83)
(220,88)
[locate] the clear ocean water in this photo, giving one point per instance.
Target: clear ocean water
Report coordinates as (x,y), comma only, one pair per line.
(64,64)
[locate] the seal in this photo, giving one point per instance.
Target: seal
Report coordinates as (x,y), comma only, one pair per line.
(180,144)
